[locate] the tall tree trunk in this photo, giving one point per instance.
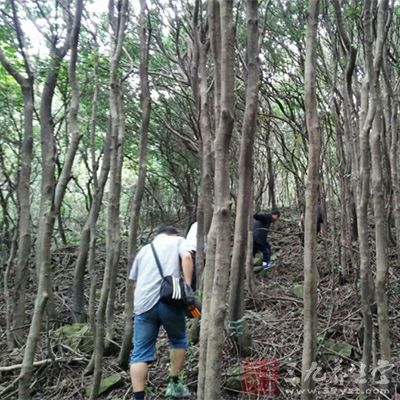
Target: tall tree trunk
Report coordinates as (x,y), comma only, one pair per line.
(204,207)
(310,239)
(221,215)
(367,114)
(145,100)
(113,242)
(118,25)
(78,297)
(376,143)
(24,178)
(236,296)
(51,198)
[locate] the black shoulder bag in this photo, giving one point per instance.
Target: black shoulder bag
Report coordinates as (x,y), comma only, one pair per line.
(172,289)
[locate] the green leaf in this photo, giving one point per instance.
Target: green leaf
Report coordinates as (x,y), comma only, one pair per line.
(106,384)
(76,336)
(298,290)
(332,348)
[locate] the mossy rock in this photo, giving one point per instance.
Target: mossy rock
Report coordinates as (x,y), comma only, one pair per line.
(234,378)
(331,349)
(257,259)
(268,315)
(17,354)
(76,336)
(274,257)
(298,290)
(106,384)
(274,289)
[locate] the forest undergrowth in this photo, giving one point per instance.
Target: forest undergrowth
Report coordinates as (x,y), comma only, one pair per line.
(273,314)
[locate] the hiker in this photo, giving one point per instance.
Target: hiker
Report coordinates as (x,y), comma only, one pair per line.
(262,222)
(320,223)
(150,313)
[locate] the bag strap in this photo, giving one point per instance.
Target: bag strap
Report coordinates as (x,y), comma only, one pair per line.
(157,260)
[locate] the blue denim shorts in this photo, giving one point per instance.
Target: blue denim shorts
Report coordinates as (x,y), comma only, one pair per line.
(147,325)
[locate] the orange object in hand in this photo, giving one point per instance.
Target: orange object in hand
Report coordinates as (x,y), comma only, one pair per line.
(193,311)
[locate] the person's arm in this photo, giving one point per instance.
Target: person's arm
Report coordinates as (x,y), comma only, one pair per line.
(187,266)
(261,216)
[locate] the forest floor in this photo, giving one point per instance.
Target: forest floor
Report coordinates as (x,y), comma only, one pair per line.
(274,317)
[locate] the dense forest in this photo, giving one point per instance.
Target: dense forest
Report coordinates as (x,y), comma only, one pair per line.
(120,116)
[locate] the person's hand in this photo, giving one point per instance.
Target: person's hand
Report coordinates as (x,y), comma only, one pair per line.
(189,294)
(194,310)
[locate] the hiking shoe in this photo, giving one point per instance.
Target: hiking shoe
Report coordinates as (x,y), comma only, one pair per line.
(268,265)
(177,390)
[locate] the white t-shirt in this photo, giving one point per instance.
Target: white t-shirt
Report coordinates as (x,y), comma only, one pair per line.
(146,274)
(191,237)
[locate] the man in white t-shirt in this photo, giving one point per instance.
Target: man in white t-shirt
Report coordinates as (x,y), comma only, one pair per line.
(150,313)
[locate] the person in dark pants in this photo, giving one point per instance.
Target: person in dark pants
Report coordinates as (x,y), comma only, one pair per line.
(320,223)
(261,226)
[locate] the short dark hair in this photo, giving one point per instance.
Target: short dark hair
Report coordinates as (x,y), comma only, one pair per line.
(168,229)
(276,212)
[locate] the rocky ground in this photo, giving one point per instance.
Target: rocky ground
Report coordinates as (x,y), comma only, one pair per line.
(274,317)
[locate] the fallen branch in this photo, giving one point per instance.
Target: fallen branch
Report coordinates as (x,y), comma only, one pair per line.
(42,362)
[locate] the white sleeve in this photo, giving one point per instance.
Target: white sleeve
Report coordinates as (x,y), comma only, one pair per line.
(192,237)
(184,246)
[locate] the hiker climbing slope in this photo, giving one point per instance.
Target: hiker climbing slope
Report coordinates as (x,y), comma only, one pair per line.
(263,221)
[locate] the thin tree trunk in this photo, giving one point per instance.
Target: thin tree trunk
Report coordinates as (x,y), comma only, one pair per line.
(24,178)
(47,204)
(204,208)
(310,239)
(236,296)
(145,100)
(113,218)
(376,141)
(208,278)
(221,214)
(118,25)
(87,241)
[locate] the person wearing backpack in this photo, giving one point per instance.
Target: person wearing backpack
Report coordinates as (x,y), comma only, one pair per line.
(170,257)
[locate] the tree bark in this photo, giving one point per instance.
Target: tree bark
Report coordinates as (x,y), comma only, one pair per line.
(221,217)
(204,208)
(78,297)
(310,239)
(24,177)
(50,200)
(118,25)
(145,100)
(236,296)
(376,143)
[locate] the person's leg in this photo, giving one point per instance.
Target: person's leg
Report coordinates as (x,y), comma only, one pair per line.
(255,248)
(177,357)
(266,253)
(269,251)
(139,373)
(146,327)
(173,320)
